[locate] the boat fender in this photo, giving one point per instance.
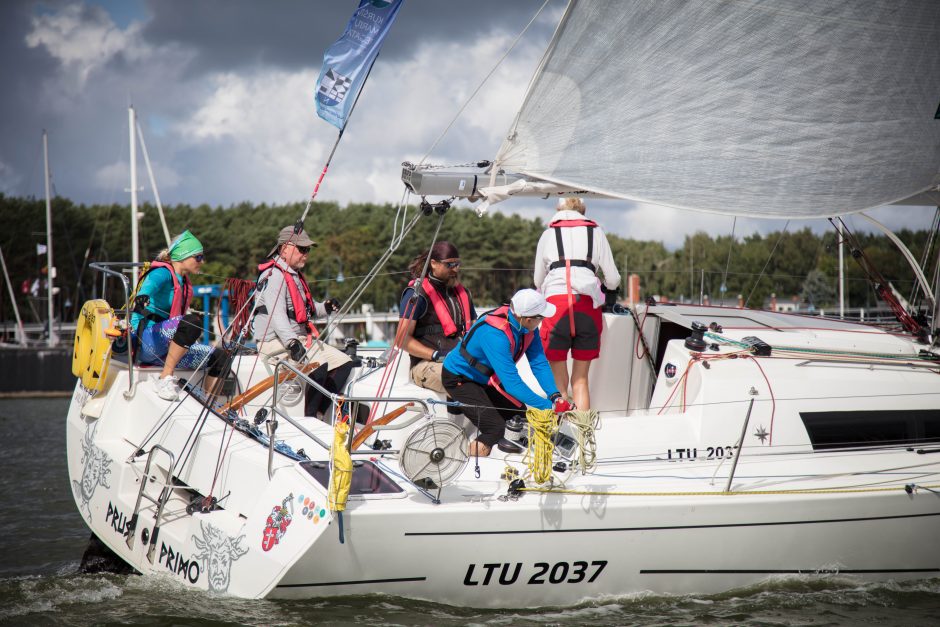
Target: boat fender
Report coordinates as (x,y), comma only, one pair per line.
(91,352)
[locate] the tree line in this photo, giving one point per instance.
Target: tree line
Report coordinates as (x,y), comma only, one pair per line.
(497,253)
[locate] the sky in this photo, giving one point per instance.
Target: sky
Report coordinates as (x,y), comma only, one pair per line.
(224,91)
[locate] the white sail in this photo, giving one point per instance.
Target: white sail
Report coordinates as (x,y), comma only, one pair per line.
(767,108)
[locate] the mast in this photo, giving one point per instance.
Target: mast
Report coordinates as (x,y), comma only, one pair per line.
(135,254)
(935,321)
(20,332)
(153,185)
(841,274)
(50,269)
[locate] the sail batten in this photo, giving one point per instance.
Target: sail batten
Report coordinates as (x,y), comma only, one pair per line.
(784,108)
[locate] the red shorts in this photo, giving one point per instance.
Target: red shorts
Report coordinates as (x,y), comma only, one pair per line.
(588,325)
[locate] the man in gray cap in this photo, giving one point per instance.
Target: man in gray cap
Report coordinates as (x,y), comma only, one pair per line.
(283,324)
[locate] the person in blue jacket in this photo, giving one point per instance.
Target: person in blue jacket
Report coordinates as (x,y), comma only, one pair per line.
(482,373)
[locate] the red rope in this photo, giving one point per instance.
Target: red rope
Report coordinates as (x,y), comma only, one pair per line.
(393,353)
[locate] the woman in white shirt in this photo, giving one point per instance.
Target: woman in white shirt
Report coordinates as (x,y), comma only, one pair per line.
(570,253)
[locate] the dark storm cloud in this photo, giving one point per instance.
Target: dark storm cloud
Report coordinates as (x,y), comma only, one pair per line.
(21,71)
(291,34)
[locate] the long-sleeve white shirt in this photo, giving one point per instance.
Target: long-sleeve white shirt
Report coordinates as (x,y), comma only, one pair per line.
(583,281)
(273,294)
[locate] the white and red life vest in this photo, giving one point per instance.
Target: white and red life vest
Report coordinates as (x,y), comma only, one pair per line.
(301,305)
(566,263)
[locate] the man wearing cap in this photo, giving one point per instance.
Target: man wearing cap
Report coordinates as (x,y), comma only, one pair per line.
(162,329)
(481,373)
(283,322)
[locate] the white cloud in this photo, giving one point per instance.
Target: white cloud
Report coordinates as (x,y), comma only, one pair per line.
(268,122)
(83,39)
(9,179)
(116,176)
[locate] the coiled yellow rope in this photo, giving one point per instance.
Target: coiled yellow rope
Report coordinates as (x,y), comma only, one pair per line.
(538,459)
(586,421)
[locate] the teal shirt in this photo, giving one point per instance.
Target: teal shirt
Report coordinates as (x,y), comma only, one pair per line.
(158,285)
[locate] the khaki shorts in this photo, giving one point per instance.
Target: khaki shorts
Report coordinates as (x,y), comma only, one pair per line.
(272,351)
(427,374)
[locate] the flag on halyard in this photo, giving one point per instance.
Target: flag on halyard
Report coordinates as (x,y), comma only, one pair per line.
(346,64)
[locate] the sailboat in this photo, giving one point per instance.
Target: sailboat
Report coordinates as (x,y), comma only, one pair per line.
(733,445)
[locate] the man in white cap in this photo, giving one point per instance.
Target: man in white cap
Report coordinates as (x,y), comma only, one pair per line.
(283,323)
(481,373)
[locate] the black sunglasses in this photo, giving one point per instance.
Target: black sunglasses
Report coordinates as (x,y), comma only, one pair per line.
(451,265)
(200,257)
(303,249)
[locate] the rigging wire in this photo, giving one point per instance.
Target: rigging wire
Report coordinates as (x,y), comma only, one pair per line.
(764,269)
(724,278)
(483,82)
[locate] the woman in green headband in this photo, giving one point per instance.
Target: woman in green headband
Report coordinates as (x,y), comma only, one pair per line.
(167,334)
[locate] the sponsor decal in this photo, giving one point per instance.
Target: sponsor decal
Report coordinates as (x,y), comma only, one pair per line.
(278,522)
(311,509)
(333,88)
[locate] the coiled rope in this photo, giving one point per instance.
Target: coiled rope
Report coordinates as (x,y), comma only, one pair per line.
(586,422)
(538,459)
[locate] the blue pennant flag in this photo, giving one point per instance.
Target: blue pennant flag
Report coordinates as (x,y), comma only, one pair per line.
(346,64)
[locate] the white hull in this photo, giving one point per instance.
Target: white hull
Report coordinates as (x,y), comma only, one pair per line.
(652,516)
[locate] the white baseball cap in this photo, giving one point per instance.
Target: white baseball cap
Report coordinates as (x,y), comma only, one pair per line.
(528,302)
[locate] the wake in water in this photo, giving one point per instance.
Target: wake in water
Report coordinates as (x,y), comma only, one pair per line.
(67,598)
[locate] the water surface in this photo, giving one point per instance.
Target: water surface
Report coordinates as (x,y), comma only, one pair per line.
(42,538)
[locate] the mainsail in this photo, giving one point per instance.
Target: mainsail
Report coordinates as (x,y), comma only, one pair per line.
(794,108)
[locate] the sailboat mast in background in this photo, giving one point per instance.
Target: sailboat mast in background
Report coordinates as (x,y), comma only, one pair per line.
(50,268)
(135,253)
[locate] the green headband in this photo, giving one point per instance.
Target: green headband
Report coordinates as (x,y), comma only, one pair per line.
(184,246)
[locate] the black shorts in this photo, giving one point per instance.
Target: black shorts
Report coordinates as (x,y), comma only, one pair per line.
(486,408)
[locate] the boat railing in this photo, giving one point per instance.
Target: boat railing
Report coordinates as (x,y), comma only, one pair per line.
(335,399)
(105,267)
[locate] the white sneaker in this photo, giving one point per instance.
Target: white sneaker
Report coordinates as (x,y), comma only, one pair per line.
(167,388)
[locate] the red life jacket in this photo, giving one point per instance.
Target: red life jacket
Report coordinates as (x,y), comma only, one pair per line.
(301,304)
(448,326)
(564,262)
(498,318)
(182,293)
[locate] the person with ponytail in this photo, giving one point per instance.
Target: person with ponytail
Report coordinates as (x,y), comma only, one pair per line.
(164,332)
(430,332)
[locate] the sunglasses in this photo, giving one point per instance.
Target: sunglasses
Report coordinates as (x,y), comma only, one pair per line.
(451,265)
(303,250)
(200,257)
